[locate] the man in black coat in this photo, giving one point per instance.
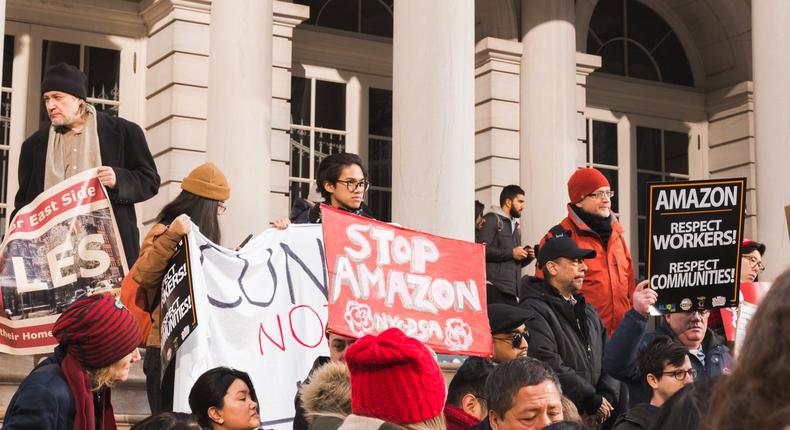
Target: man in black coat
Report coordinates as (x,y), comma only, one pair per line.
(81,138)
(567,333)
(504,254)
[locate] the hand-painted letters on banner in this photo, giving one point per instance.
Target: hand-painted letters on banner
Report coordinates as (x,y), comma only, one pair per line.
(383,276)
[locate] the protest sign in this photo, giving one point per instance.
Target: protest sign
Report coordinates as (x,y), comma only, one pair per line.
(735,320)
(261,310)
(694,229)
(61,246)
(383,276)
(179,318)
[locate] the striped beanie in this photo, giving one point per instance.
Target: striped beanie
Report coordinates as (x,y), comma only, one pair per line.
(98,330)
(394,378)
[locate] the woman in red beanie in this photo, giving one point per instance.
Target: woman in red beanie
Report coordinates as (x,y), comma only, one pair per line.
(395,381)
(202,198)
(98,340)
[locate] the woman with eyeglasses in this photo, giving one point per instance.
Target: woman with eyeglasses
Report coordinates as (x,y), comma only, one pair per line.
(342,181)
(202,200)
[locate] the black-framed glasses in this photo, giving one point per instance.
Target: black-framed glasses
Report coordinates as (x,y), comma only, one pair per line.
(353,184)
(680,375)
(515,338)
(754,262)
(601,194)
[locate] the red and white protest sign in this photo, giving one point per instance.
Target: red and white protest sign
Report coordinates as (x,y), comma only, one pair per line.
(382,276)
(735,320)
(61,246)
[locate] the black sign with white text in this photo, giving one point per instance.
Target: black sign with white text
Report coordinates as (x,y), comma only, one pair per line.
(179,318)
(695,230)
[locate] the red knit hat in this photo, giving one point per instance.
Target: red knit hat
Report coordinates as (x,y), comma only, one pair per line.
(394,378)
(583,182)
(98,330)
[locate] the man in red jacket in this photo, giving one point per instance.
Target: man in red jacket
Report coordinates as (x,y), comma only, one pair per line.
(609,280)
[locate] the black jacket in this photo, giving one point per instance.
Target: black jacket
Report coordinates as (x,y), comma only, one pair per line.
(632,337)
(640,417)
(570,339)
(499,236)
(304,212)
(43,400)
(124,148)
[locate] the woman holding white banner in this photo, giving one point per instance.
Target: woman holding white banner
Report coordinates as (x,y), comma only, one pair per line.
(202,200)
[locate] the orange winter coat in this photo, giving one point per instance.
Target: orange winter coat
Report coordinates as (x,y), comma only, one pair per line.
(609,281)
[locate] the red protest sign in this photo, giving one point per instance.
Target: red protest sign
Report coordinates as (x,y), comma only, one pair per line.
(382,276)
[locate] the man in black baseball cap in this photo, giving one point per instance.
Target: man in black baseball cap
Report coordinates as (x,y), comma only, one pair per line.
(511,338)
(567,333)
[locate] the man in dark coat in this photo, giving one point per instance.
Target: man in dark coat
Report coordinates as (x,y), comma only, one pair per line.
(567,333)
(81,138)
(504,254)
(707,351)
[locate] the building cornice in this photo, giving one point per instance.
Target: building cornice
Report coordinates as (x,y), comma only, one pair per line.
(114,17)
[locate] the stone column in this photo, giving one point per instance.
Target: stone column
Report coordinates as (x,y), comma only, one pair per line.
(772,129)
(548,120)
(433,117)
(240,111)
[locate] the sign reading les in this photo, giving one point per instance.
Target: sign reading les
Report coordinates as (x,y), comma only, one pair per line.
(694,229)
(382,276)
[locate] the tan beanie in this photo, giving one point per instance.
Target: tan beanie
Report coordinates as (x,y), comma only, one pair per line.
(207,181)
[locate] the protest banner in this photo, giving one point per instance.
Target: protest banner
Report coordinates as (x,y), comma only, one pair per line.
(384,276)
(179,318)
(262,310)
(694,230)
(61,246)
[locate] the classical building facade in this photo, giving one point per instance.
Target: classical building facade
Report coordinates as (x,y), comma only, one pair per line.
(446,100)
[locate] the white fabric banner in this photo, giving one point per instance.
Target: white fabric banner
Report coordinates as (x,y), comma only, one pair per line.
(261,310)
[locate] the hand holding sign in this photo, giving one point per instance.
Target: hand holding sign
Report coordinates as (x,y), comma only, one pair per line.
(643,298)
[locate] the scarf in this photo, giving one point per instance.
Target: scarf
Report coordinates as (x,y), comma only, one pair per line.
(457,419)
(598,224)
(88,153)
(80,387)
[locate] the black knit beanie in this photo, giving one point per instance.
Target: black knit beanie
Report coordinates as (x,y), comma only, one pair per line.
(65,78)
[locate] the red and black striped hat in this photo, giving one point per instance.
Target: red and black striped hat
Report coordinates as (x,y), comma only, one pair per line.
(98,330)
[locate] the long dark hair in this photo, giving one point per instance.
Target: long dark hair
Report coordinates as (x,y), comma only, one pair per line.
(210,388)
(202,212)
(687,408)
(756,395)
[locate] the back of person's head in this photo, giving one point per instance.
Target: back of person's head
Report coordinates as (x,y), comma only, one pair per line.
(662,350)
(470,378)
(479,208)
(507,379)
(396,378)
(756,395)
(210,389)
(331,167)
(328,392)
(168,421)
(566,425)
(203,189)
(510,192)
(687,407)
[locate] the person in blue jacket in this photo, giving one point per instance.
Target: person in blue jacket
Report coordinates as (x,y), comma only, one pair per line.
(707,351)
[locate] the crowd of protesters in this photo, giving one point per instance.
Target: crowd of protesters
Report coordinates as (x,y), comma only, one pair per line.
(573,345)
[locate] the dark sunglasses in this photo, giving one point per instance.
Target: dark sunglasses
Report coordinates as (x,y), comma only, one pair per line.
(517,337)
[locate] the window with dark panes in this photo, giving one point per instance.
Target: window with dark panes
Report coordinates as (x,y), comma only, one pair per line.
(5,127)
(601,152)
(635,41)
(661,155)
(360,16)
(380,153)
(318,129)
(101,66)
